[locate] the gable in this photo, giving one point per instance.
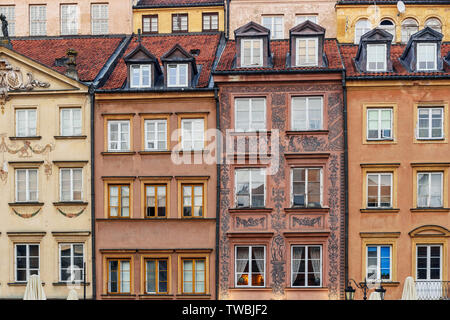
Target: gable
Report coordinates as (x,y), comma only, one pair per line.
(140,54)
(307,28)
(251,29)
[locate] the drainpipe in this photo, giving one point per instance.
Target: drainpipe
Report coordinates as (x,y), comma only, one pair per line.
(228,19)
(218,155)
(344,86)
(94,280)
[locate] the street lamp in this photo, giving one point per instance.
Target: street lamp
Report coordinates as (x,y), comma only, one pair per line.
(381,291)
(350,292)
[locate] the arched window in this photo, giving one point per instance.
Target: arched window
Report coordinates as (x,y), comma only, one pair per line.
(434,24)
(388,26)
(409,27)
(362,26)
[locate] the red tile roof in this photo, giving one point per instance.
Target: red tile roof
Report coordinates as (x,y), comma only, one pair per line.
(93,52)
(280,49)
(158,45)
(178,3)
(349,53)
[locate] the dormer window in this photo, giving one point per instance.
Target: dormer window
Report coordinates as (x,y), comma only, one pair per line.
(306,43)
(177,75)
(140,76)
(142,67)
(252,46)
(376,57)
(374,52)
(426,56)
(251,52)
(307,52)
(180,68)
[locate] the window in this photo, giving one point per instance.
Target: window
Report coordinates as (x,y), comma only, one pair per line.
(362,26)
(250,188)
(250,114)
(140,76)
(155,135)
(307,113)
(71,121)
(9,13)
(27,261)
(26,185)
(118,135)
(119,201)
(409,27)
(156,276)
(306,266)
(210,22)
(306,187)
(69,19)
(71,262)
(177,75)
(155,196)
(379,190)
(119,276)
(307,52)
(376,57)
(426,56)
(180,22)
(429,189)
(429,262)
(250,266)
(300,18)
(389,26)
(430,123)
(26,122)
(192,134)
(252,54)
(194,276)
(379,124)
(434,24)
(99,18)
(150,24)
(38,20)
(275,25)
(379,263)
(71,184)
(193,202)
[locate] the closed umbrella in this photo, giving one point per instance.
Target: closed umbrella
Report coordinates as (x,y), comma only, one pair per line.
(73,295)
(34,289)
(409,289)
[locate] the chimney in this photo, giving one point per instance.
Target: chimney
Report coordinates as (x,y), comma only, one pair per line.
(71,70)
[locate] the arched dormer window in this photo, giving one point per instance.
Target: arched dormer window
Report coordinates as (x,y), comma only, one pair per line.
(362,26)
(389,26)
(434,24)
(409,27)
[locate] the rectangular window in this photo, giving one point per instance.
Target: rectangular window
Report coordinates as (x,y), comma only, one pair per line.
(119,201)
(429,189)
(26,262)
(156,276)
(140,76)
(379,124)
(307,113)
(429,262)
(252,54)
(150,24)
(26,185)
(69,19)
(193,134)
(119,276)
(250,266)
(275,25)
(194,276)
(307,52)
(426,56)
(193,201)
(177,75)
(376,57)
(38,20)
(379,190)
(71,184)
(300,18)
(306,266)
(250,188)
(71,262)
(10,14)
(430,124)
(180,22)
(210,22)
(306,187)
(250,114)
(99,18)
(26,122)
(155,196)
(71,121)
(118,135)
(379,263)
(155,135)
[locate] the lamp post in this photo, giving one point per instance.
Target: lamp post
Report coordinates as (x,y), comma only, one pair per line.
(350,292)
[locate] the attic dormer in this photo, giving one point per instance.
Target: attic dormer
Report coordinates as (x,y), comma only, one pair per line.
(423,51)
(142,68)
(252,46)
(306,42)
(374,51)
(179,68)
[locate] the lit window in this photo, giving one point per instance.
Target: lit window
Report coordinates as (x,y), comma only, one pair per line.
(26,185)
(194,276)
(26,122)
(409,27)
(306,266)
(434,24)
(376,57)
(150,24)
(179,23)
(119,276)
(210,22)
(156,276)
(250,266)
(307,52)
(426,56)
(388,26)
(71,262)
(119,201)
(306,187)
(10,14)
(155,196)
(379,190)
(69,19)
(307,113)
(251,55)
(99,18)
(155,135)
(250,188)
(71,184)
(27,261)
(38,20)
(118,136)
(71,122)
(362,26)
(275,25)
(193,202)
(250,114)
(379,263)
(177,75)
(429,189)
(300,18)
(140,76)
(379,124)
(430,123)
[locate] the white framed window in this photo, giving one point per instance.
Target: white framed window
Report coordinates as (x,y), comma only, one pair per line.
(26,122)
(429,189)
(409,27)
(180,22)
(71,121)
(306,187)
(429,262)
(250,266)
(307,52)
(379,124)
(155,134)
(71,262)
(376,57)
(10,13)
(193,134)
(300,18)
(71,184)
(250,188)
(99,18)
(389,26)
(38,20)
(251,52)
(140,76)
(426,56)
(307,113)
(150,24)
(434,24)
(26,185)
(362,26)
(250,114)
(69,19)
(379,263)
(379,190)
(177,75)
(118,135)
(430,123)
(276,26)
(26,261)
(306,266)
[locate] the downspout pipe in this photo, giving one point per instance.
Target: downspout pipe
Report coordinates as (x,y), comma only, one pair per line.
(228,19)
(346,216)
(94,279)
(218,156)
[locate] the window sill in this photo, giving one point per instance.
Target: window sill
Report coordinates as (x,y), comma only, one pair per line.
(187,295)
(155,295)
(145,152)
(118,153)
(70,203)
(249,133)
(437,209)
(250,288)
(307,209)
(26,138)
(181,151)
(69,137)
(306,288)
(119,295)
(260,210)
(26,204)
(306,132)
(379,210)
(62,284)
(20,284)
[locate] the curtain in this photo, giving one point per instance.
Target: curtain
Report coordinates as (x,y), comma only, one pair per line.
(242,259)
(314,254)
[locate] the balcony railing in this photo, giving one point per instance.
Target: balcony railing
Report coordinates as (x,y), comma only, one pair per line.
(432,290)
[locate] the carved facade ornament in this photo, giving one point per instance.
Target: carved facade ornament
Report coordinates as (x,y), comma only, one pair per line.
(250,222)
(27,212)
(308,222)
(78,211)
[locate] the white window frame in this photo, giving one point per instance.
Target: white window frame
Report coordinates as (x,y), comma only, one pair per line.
(307,111)
(428,267)
(191,141)
(150,19)
(158,123)
(72,127)
(40,22)
(372,56)
(379,130)
(178,73)
(430,123)
(434,51)
(360,31)
(272,25)
(300,18)
(10,13)
(378,276)
(68,30)
(407,29)
(253,63)
(433,23)
(180,17)
(27,122)
(119,141)
(81,268)
(250,183)
(27,185)
(306,185)
(101,22)
(316,53)
(28,269)
(250,117)
(306,248)
(379,174)
(141,68)
(71,170)
(250,248)
(390,28)
(429,173)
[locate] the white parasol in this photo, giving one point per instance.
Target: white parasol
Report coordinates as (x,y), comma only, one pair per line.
(409,289)
(34,289)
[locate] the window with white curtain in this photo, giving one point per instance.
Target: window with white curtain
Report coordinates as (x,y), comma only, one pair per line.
(70,121)
(250,114)
(306,189)
(71,262)
(118,135)
(27,261)
(99,18)
(150,24)
(429,189)
(379,124)
(379,263)
(250,188)
(193,134)
(362,26)
(426,56)
(26,122)
(180,22)
(376,57)
(306,266)
(434,24)
(26,185)
(307,113)
(251,52)
(119,276)
(307,52)
(379,190)
(210,21)
(430,123)
(10,13)
(69,19)
(409,27)
(275,25)
(177,75)
(389,26)
(155,134)
(250,266)
(71,184)
(38,20)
